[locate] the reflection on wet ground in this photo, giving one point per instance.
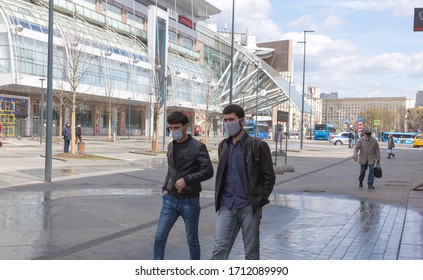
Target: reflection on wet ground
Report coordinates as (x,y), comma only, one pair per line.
(109,210)
(72,224)
(37,174)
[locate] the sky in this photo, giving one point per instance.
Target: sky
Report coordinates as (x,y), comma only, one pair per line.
(359,48)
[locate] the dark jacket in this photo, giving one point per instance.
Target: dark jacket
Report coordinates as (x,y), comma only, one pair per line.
(391,143)
(191,163)
(66,132)
(259,177)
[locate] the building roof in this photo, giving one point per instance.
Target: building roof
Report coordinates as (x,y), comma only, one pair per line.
(201,9)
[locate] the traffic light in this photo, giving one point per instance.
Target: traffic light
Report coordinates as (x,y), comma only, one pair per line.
(360,127)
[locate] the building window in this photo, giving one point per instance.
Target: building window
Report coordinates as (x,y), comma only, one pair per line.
(84,116)
(187,42)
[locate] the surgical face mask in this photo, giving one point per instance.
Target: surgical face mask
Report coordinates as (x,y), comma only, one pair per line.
(176,134)
(233,128)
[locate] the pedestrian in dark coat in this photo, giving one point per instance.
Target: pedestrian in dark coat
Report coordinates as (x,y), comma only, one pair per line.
(244,181)
(66,137)
(391,146)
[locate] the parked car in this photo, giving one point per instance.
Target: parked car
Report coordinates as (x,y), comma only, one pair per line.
(340,138)
(418,141)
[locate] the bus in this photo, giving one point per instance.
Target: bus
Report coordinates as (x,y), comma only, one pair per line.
(261,130)
(399,137)
(323,131)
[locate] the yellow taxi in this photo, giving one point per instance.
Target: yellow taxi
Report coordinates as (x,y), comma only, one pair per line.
(418,141)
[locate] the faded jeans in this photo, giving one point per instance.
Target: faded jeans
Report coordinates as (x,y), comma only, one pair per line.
(371,177)
(172,208)
(229,222)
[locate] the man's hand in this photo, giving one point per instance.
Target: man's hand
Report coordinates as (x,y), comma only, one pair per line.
(355,158)
(180,185)
(164,193)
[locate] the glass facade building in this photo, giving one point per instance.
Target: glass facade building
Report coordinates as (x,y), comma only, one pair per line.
(108,68)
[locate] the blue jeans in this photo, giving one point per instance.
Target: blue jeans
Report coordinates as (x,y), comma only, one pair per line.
(371,177)
(189,209)
(229,221)
(66,146)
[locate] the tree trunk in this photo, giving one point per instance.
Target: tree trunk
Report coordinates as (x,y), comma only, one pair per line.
(73,150)
(156,137)
(109,109)
(206,131)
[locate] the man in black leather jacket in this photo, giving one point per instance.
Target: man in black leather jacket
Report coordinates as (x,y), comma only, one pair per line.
(244,180)
(188,165)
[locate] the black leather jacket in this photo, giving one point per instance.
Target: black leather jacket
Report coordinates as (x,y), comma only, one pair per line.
(191,163)
(259,177)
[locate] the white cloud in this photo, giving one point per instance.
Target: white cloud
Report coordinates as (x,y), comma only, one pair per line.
(329,23)
(251,15)
(336,63)
(387,63)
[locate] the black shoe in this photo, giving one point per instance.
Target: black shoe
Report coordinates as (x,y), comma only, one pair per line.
(393,155)
(388,157)
(360,184)
(371,187)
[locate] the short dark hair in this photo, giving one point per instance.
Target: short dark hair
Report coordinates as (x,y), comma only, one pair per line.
(177,117)
(234,108)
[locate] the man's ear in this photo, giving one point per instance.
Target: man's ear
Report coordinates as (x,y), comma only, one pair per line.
(242,121)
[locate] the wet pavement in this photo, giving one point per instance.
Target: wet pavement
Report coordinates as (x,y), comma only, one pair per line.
(108,209)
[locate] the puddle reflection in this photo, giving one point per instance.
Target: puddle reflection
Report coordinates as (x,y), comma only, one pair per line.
(68,171)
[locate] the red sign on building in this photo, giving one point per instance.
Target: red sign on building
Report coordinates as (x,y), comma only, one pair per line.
(185,21)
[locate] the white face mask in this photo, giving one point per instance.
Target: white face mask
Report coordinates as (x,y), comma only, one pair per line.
(233,128)
(177,134)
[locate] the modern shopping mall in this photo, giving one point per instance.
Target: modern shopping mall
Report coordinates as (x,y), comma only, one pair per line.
(117,63)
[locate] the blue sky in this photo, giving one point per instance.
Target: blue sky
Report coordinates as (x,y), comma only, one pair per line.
(360,48)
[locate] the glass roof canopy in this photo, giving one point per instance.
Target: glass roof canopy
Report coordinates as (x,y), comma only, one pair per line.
(256,85)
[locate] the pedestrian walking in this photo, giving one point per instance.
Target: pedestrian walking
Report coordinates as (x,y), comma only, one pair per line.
(367,153)
(244,180)
(78,134)
(66,137)
(189,164)
(356,137)
(391,146)
(350,139)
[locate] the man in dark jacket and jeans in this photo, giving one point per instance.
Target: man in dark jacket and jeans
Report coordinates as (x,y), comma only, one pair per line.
(188,165)
(244,180)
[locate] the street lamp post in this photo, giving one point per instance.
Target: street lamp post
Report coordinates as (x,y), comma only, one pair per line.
(129,116)
(42,111)
(289,119)
(302,100)
(311,113)
(232,54)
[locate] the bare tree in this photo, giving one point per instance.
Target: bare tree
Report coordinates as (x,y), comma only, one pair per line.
(75,70)
(109,102)
(159,81)
(61,97)
(389,119)
(414,119)
(206,102)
